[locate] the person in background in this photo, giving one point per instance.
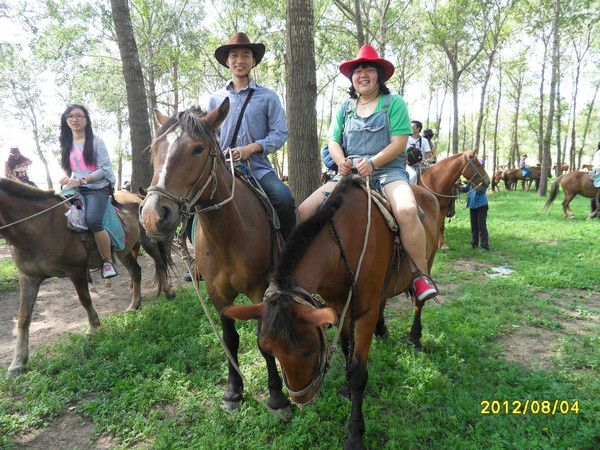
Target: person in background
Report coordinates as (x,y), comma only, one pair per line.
(525,170)
(428,134)
(477,203)
(595,171)
(87,167)
(16,167)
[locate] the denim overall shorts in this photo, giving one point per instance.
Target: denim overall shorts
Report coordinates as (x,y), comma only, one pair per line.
(367,136)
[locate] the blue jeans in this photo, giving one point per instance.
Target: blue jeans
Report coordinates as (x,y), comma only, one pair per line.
(95,207)
(282,200)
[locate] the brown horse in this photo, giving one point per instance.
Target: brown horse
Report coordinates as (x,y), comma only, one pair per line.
(534,177)
(441,178)
(235,243)
(511,177)
(496,179)
(321,256)
(43,247)
(573,183)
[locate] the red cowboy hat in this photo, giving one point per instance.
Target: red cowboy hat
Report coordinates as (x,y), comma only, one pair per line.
(238,40)
(368,54)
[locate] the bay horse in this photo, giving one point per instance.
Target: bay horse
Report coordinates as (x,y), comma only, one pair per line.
(442,177)
(321,257)
(512,177)
(43,247)
(496,179)
(235,245)
(573,183)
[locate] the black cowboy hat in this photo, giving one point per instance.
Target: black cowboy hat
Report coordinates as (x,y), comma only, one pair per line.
(239,40)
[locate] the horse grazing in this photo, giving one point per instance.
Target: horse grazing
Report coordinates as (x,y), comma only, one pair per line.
(43,247)
(321,256)
(574,183)
(534,177)
(511,177)
(441,178)
(235,244)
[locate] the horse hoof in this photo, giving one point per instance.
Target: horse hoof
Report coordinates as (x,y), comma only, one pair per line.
(354,444)
(444,247)
(284,414)
(382,332)
(14,371)
(229,405)
(170,294)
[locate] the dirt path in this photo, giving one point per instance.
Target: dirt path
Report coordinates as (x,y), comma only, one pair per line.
(58,311)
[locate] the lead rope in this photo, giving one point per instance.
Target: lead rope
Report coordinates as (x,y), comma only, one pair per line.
(33,215)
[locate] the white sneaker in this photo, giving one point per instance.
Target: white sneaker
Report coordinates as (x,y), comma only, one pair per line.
(108,270)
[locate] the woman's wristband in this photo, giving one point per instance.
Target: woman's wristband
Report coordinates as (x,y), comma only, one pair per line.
(372,164)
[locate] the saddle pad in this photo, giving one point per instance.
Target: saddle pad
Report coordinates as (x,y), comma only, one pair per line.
(596,178)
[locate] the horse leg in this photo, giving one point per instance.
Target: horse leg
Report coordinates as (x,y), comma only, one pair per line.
(345,343)
(381,330)
(235,387)
(28,291)
(135,274)
(278,404)
(442,239)
(566,208)
(416,328)
(80,281)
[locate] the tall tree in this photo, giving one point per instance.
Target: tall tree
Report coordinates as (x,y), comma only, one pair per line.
(304,163)
(459,28)
(546,156)
(139,125)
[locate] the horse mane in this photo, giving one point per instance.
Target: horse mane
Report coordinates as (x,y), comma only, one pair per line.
(190,121)
(304,234)
(277,318)
(25,191)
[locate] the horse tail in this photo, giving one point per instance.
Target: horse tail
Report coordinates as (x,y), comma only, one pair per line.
(160,251)
(553,193)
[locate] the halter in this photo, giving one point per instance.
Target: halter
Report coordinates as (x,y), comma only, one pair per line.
(193,194)
(302,297)
(484,178)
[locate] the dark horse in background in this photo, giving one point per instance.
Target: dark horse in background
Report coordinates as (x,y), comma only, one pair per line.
(44,247)
(574,183)
(235,244)
(442,177)
(320,257)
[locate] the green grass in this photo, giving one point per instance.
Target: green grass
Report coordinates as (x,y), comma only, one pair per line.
(9,275)
(155,378)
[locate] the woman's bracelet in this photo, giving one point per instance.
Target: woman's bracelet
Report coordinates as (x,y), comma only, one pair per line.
(372,164)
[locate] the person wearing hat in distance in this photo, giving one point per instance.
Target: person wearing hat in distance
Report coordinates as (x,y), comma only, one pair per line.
(380,153)
(263,129)
(16,167)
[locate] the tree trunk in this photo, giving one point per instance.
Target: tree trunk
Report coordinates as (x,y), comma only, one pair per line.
(496,120)
(139,124)
(455,79)
(574,123)
(541,109)
(586,127)
(301,93)
(559,150)
(488,73)
(547,158)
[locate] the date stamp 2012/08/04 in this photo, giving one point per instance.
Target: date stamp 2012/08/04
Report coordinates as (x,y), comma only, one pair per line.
(549,407)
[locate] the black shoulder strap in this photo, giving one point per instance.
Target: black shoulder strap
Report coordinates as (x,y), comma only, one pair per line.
(239,121)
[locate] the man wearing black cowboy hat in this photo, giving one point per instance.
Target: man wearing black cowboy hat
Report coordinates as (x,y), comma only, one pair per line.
(262,129)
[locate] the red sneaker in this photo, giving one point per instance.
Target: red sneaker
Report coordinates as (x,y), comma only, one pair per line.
(424,288)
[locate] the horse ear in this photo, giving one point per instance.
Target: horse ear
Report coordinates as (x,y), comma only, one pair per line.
(322,316)
(216,117)
(471,153)
(160,117)
(243,312)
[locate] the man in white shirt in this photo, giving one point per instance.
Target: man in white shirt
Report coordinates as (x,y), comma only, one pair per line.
(416,140)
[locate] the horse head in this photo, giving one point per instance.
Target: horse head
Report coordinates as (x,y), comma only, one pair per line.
(474,171)
(292,330)
(184,156)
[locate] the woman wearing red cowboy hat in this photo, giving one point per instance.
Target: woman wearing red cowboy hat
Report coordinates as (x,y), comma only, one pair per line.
(16,167)
(372,129)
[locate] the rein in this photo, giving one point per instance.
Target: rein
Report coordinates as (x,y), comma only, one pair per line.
(33,215)
(469,164)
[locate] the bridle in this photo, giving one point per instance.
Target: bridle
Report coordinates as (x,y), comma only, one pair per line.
(195,192)
(314,301)
(485,179)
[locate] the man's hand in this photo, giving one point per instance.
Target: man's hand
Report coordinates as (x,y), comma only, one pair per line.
(245,151)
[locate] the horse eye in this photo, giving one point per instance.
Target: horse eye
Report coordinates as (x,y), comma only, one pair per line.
(197,150)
